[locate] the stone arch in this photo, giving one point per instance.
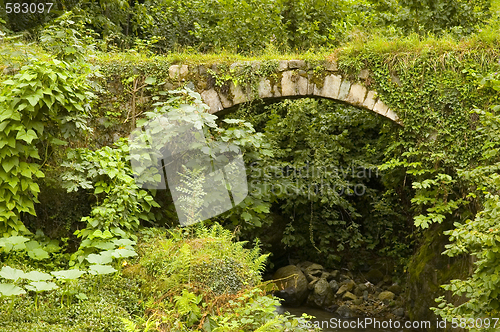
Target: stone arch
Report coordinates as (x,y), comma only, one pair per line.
(291,79)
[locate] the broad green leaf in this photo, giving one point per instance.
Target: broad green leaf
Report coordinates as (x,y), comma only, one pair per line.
(11,290)
(68,274)
(150,80)
(122,253)
(13,240)
(41,286)
(98,259)
(124,242)
(27,136)
(38,254)
(37,276)
(101,269)
(9,273)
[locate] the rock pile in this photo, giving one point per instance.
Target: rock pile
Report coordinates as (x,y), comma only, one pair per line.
(372,294)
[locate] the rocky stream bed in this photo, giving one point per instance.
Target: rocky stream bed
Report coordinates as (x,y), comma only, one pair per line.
(342,292)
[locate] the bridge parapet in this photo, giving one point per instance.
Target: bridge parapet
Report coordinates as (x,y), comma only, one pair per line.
(225,86)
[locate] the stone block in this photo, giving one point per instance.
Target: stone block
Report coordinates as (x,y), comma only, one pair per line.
(255,65)
(265,90)
(202,70)
(380,107)
(391,115)
(331,86)
(239,96)
(302,86)
(364,74)
(226,102)
(276,91)
(288,84)
(296,64)
(311,89)
(356,94)
(174,71)
(331,66)
(184,71)
(344,90)
(370,100)
(211,98)
(282,65)
(178,72)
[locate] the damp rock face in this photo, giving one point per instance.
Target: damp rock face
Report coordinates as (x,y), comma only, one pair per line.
(292,285)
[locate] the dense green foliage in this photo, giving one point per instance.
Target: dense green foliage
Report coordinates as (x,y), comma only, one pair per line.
(200,280)
(323,176)
(479,236)
(208,25)
(346,183)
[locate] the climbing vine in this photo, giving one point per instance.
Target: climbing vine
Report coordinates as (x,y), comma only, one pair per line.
(43,104)
(479,235)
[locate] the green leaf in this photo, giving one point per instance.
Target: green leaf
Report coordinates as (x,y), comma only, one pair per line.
(150,80)
(57,141)
(101,269)
(68,274)
(41,286)
(38,254)
(246,216)
(27,136)
(9,273)
(9,163)
(13,240)
(37,276)
(98,259)
(11,290)
(122,253)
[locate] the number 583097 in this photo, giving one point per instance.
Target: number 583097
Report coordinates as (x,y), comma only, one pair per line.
(26,7)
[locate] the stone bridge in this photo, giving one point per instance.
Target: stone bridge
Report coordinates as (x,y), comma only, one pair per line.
(225,86)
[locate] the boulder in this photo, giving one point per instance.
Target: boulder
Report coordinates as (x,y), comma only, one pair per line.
(344,312)
(321,287)
(304,265)
(334,274)
(349,296)
(314,270)
(320,294)
(326,275)
(396,289)
(310,286)
(334,286)
(346,286)
(362,287)
(292,285)
(374,276)
(387,295)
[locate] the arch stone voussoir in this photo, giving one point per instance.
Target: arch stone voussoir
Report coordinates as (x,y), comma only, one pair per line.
(292,78)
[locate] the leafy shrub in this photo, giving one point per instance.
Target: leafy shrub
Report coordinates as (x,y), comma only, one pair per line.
(100,308)
(479,236)
(68,40)
(203,259)
(123,205)
(44,102)
(198,278)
